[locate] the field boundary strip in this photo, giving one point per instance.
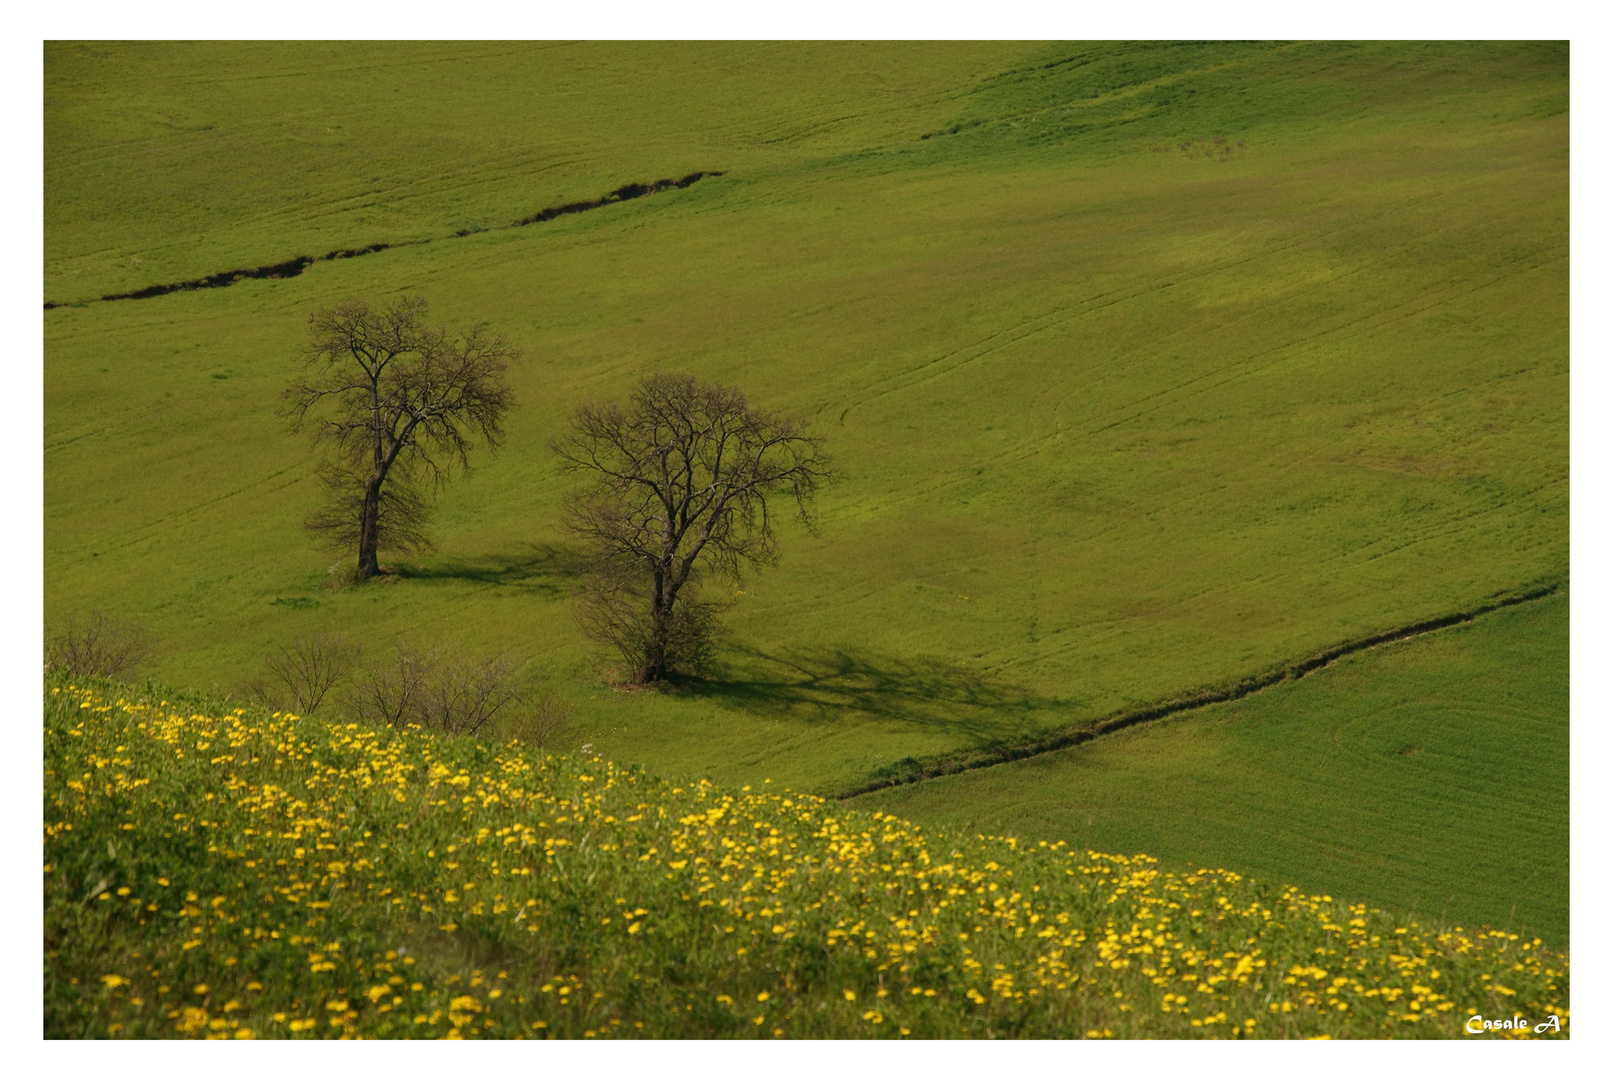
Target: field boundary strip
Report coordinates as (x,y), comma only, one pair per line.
(295,266)
(916,770)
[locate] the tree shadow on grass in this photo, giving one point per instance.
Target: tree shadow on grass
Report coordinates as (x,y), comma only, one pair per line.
(823,685)
(547,569)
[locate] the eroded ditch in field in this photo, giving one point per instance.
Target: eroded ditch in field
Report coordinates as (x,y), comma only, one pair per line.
(914,770)
(296,266)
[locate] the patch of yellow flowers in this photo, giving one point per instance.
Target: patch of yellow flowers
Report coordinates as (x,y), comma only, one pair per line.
(232,875)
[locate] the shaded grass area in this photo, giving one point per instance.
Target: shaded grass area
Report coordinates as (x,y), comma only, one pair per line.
(1429,776)
(545,568)
(236,874)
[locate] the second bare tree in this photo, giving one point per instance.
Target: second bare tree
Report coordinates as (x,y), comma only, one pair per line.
(684,479)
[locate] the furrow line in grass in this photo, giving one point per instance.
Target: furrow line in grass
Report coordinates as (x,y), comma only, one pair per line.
(1287,578)
(1070,311)
(1280,302)
(914,770)
(296,266)
(1348,328)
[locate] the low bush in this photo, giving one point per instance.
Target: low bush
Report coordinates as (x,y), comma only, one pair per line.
(97,646)
(444,690)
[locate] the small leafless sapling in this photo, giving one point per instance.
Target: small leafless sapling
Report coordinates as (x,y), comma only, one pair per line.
(540,719)
(300,675)
(448,691)
(393,692)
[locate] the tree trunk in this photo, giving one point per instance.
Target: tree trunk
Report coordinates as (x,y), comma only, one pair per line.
(654,665)
(369,530)
(653,668)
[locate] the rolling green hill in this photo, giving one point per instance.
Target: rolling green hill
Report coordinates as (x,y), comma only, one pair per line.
(1147,367)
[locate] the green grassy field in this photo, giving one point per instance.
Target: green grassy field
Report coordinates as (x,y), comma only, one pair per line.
(170,161)
(1147,367)
(1429,776)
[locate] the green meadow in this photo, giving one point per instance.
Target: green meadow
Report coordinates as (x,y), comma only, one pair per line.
(1146,368)
(1431,775)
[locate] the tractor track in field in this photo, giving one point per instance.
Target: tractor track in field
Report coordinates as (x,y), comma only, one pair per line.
(296,266)
(913,770)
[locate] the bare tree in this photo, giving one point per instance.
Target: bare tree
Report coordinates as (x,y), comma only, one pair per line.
(397,402)
(301,674)
(99,645)
(682,482)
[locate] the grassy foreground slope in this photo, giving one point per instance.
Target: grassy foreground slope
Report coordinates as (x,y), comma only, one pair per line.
(237,875)
(1429,776)
(1123,409)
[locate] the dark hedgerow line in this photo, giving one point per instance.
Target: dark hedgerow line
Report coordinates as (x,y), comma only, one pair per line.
(621,194)
(914,770)
(296,266)
(289,268)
